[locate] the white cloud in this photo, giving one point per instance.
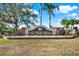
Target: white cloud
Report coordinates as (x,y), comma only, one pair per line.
(74,7)
(77,17)
(66,8)
(34,11)
(57,23)
(73,15)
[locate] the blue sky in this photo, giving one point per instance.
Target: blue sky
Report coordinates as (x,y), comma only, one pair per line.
(68,10)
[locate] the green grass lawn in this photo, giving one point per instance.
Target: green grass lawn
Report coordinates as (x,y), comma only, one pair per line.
(69,47)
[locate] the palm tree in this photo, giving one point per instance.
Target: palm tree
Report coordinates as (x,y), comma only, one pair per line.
(30,18)
(73,22)
(50,8)
(65,22)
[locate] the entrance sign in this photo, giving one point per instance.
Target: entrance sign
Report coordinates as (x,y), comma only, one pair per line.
(40,30)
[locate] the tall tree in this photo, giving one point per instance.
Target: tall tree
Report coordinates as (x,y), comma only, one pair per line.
(10,13)
(50,8)
(65,22)
(13,13)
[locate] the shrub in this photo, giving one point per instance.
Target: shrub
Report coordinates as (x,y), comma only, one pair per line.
(77,33)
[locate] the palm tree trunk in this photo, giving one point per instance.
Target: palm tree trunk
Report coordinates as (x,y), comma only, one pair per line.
(49,20)
(40,13)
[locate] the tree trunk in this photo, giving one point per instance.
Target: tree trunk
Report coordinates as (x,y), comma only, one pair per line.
(27,25)
(16,25)
(67,26)
(49,20)
(40,13)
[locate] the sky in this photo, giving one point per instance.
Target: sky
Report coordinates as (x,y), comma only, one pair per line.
(68,10)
